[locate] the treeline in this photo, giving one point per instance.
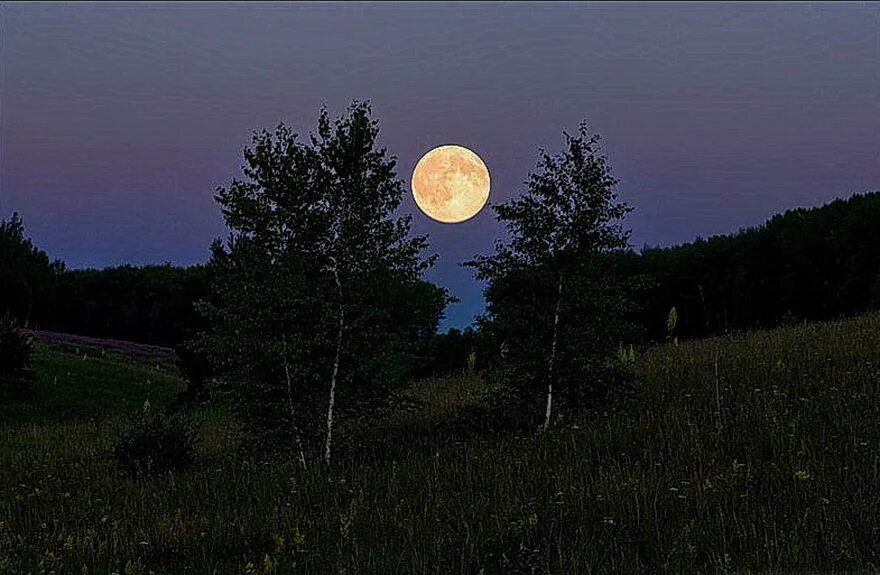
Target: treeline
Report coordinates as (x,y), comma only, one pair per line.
(805,264)
(148,304)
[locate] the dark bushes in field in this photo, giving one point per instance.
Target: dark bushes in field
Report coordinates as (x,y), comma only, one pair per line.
(196,369)
(16,349)
(154,443)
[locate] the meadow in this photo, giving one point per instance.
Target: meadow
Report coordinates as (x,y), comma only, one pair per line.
(752,452)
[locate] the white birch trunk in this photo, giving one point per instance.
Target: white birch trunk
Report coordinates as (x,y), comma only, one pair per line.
(330,405)
(553,356)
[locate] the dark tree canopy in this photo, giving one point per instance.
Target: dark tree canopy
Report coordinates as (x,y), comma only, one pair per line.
(805,264)
(319,281)
(147,304)
(552,299)
(28,279)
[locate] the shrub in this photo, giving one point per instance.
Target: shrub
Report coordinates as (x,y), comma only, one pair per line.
(154,443)
(196,369)
(16,350)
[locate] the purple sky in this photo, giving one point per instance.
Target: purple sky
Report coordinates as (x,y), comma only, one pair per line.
(118,121)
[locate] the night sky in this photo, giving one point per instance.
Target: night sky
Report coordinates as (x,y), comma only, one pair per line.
(119,121)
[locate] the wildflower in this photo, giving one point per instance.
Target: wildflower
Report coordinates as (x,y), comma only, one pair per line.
(268,564)
(299,538)
(344,524)
(279,543)
(671,320)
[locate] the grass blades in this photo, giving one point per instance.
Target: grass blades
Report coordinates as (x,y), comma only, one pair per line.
(773,466)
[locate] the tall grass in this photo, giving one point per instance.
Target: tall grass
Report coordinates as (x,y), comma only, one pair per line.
(772,465)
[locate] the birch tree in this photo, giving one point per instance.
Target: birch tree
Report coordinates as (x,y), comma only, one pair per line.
(317,299)
(548,284)
(367,251)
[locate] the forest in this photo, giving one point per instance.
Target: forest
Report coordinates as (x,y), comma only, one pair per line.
(805,264)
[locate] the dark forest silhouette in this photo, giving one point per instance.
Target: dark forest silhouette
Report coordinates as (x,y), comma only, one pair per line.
(804,264)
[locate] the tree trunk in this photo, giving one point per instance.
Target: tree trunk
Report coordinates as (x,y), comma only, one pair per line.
(296,434)
(705,309)
(327,443)
(553,356)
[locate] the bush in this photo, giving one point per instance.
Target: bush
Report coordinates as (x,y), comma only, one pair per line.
(196,369)
(16,350)
(156,444)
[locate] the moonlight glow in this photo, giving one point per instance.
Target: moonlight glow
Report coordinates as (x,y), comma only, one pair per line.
(450,184)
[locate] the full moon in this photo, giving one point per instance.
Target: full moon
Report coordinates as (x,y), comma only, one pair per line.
(450,184)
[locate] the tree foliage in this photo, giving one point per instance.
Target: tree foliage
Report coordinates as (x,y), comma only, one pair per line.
(552,298)
(28,279)
(805,264)
(16,352)
(155,443)
(147,304)
(318,284)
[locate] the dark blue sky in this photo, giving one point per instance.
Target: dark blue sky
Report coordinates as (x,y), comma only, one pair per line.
(118,121)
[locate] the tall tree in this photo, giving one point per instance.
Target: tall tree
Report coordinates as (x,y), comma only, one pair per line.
(323,273)
(28,279)
(548,286)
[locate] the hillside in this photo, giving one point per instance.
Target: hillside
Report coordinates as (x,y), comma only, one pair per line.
(812,264)
(85,377)
(750,452)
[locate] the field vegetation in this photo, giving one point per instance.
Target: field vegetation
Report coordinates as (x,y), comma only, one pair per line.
(744,453)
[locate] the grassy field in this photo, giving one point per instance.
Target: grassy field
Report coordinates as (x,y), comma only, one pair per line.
(750,453)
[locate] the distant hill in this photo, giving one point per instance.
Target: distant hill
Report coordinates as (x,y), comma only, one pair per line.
(150,355)
(805,264)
